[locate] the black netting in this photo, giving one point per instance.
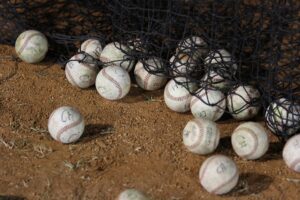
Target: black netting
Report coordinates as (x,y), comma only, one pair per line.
(215,44)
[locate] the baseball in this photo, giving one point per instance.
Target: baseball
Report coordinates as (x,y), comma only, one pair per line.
(182,64)
(116,54)
(218,174)
(176,96)
(146,80)
(222,62)
(201,136)
(66,124)
(243,102)
(31,46)
(250,140)
(291,153)
(132,194)
(113,82)
(92,47)
(283,117)
(192,45)
(215,80)
(80,72)
(208,103)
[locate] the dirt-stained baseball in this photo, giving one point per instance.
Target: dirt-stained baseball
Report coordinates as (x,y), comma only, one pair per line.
(213,79)
(182,64)
(283,117)
(80,72)
(291,153)
(208,103)
(66,124)
(243,102)
(176,96)
(92,47)
(113,82)
(201,136)
(218,174)
(116,54)
(250,140)
(146,80)
(132,194)
(193,46)
(31,46)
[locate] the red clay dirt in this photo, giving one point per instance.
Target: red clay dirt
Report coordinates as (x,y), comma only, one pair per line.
(132,143)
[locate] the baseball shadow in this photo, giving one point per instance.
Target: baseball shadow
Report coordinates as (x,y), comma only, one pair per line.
(226,147)
(10,197)
(274,152)
(137,94)
(93,131)
(251,183)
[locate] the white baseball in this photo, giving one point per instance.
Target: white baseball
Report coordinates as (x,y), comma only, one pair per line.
(283,116)
(218,174)
(66,124)
(201,136)
(221,60)
(182,64)
(92,47)
(192,45)
(31,46)
(117,54)
(215,80)
(132,194)
(250,140)
(208,103)
(80,72)
(113,82)
(176,96)
(146,80)
(291,153)
(242,102)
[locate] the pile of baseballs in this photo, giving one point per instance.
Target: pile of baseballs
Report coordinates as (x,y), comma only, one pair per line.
(218,174)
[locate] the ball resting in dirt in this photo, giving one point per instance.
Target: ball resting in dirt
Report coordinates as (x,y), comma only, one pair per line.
(31,46)
(132,194)
(291,153)
(66,124)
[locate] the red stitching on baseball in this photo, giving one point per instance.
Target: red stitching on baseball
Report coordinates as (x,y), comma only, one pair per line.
(195,99)
(182,98)
(225,183)
(68,74)
(61,131)
(107,61)
(118,86)
(27,41)
(205,166)
(254,136)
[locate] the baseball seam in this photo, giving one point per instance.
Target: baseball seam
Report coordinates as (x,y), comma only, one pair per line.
(107,61)
(86,44)
(215,191)
(205,166)
(86,65)
(200,136)
(68,74)
(254,136)
(182,98)
(27,41)
(64,129)
(115,83)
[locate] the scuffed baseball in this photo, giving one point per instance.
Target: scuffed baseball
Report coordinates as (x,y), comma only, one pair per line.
(80,71)
(215,80)
(116,54)
(193,46)
(201,136)
(291,153)
(132,194)
(243,102)
(283,117)
(182,64)
(113,82)
(66,124)
(176,96)
(92,47)
(208,103)
(218,174)
(31,46)
(250,140)
(146,80)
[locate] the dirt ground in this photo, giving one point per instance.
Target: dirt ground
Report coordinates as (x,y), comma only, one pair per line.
(132,143)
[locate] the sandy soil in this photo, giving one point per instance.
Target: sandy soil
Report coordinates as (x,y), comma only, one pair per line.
(135,142)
